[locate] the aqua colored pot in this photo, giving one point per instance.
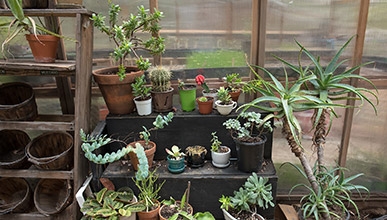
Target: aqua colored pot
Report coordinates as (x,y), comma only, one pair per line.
(175,166)
(188,98)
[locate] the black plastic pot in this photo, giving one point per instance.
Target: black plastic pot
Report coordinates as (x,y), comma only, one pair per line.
(250,155)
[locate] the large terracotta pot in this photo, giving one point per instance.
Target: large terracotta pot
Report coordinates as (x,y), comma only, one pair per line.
(149,152)
(43,47)
(117,94)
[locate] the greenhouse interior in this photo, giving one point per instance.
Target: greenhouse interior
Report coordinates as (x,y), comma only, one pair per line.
(304,135)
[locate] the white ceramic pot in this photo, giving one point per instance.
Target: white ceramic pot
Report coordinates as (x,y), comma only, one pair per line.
(227,215)
(143,107)
(225,109)
(213,95)
(221,160)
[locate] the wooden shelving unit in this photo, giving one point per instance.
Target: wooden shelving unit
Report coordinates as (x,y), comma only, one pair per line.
(75,109)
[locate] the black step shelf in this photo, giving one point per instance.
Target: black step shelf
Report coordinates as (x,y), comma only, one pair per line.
(187,128)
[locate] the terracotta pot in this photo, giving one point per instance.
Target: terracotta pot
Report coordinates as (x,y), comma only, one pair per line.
(205,108)
(117,94)
(151,215)
(235,95)
(150,153)
(162,101)
(43,47)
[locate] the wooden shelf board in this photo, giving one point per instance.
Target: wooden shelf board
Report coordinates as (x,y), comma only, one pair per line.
(27,67)
(42,122)
(35,173)
(49,12)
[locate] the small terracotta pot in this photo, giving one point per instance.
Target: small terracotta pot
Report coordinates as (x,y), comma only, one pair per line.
(150,153)
(43,47)
(235,95)
(205,108)
(151,215)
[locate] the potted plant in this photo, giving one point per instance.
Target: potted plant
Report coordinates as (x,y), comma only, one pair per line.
(149,195)
(244,204)
(249,138)
(46,42)
(110,204)
(314,89)
(220,154)
(115,82)
(234,85)
(150,147)
(175,159)
(224,104)
(162,91)
(187,95)
(143,98)
(172,209)
(195,155)
(201,81)
(205,104)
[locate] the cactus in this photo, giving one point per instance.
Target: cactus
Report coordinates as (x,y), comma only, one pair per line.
(160,78)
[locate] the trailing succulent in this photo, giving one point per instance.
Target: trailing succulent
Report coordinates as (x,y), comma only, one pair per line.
(92,143)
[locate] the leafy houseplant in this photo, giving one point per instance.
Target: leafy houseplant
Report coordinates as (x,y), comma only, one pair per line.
(195,155)
(175,159)
(224,104)
(115,82)
(205,104)
(234,85)
(109,204)
(162,91)
(149,195)
(22,23)
(255,193)
(220,154)
(249,138)
(314,89)
(143,98)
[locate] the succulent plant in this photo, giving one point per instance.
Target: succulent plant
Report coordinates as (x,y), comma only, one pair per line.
(160,78)
(224,96)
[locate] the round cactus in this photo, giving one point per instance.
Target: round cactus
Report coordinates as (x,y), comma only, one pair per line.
(160,78)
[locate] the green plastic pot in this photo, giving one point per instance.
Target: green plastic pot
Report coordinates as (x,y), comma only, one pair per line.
(188,98)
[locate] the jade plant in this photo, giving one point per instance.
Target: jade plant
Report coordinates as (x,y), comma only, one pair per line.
(110,204)
(140,89)
(233,81)
(124,34)
(160,78)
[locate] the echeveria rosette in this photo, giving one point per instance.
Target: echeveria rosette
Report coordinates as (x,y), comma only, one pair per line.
(201,81)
